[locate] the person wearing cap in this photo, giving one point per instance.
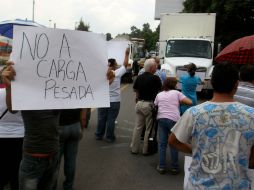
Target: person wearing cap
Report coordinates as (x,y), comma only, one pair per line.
(189,84)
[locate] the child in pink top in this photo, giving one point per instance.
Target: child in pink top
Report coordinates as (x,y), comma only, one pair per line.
(168,102)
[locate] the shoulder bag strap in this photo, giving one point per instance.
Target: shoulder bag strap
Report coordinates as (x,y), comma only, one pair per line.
(3,113)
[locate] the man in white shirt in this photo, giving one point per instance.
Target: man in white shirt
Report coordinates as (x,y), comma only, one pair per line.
(11,141)
(245,90)
(219,134)
(107,116)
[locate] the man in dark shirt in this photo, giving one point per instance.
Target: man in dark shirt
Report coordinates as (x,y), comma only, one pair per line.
(72,122)
(146,86)
(38,169)
(41,142)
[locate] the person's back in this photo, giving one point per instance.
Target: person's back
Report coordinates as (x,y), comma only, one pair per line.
(11,141)
(148,85)
(189,84)
(41,131)
(245,90)
(219,134)
(222,136)
(168,103)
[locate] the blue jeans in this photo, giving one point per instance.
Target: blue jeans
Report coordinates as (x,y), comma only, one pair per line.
(164,127)
(69,140)
(106,118)
(38,173)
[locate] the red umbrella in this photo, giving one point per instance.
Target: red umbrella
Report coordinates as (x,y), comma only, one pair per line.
(240,51)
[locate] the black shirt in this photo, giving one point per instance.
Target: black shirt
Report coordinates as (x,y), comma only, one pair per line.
(69,116)
(147,85)
(41,131)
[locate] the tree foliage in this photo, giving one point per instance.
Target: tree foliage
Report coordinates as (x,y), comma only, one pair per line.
(151,37)
(83,26)
(108,36)
(234,18)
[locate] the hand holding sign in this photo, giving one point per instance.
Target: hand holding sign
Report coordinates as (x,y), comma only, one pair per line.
(8,73)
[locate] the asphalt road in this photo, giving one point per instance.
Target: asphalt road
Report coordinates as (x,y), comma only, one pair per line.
(111,166)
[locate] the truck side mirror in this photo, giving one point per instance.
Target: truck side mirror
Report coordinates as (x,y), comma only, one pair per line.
(218,48)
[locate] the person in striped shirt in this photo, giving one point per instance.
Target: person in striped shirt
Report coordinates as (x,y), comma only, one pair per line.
(245,90)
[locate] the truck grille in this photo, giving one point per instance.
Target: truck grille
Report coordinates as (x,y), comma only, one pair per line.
(201,71)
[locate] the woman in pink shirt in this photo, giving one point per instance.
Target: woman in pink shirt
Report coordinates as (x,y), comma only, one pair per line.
(168,102)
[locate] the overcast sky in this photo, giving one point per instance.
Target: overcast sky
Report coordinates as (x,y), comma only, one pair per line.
(103,16)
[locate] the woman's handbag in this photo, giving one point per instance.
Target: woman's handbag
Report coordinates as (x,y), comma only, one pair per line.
(152,145)
(152,140)
(3,113)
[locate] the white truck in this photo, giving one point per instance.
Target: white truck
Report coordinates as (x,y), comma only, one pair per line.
(187,38)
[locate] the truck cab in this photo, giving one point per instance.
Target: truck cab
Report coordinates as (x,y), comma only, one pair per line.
(180,52)
(187,38)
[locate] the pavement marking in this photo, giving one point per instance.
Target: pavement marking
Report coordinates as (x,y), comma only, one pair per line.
(120,145)
(122,88)
(125,128)
(129,122)
(123,136)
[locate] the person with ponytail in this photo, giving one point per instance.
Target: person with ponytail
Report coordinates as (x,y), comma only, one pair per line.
(189,84)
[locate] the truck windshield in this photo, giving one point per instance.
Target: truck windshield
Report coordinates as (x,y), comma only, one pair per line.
(189,48)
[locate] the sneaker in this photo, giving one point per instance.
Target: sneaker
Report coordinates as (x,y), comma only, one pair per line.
(174,171)
(161,170)
(98,138)
(134,152)
(110,140)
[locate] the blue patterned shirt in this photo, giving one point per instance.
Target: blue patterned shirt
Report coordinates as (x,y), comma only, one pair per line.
(221,135)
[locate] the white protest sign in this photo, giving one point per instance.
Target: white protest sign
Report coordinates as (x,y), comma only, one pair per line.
(187,163)
(58,69)
(116,50)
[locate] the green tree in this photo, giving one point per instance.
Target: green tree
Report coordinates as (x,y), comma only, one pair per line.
(234,18)
(135,32)
(151,37)
(83,26)
(108,36)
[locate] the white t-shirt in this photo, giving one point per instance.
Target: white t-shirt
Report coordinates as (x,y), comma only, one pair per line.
(11,125)
(114,87)
(221,135)
(245,93)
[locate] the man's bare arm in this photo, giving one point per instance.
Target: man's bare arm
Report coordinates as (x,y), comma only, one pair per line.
(183,147)
(126,58)
(251,160)
(8,75)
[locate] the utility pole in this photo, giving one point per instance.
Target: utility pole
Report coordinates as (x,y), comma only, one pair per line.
(33,10)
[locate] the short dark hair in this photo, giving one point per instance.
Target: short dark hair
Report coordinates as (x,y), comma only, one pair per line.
(247,73)
(224,77)
(112,62)
(191,68)
(169,83)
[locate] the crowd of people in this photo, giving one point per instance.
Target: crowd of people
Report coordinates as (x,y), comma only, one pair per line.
(217,133)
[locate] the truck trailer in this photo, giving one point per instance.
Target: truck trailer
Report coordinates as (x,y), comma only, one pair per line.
(187,38)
